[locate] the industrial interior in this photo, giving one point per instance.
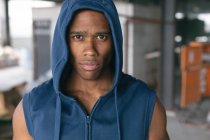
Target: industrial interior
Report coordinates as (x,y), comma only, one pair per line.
(166,44)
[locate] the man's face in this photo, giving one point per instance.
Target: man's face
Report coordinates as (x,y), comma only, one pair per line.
(90,45)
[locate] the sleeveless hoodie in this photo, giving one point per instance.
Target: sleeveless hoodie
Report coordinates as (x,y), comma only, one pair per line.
(123,113)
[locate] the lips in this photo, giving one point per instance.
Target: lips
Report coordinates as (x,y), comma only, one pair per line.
(89,65)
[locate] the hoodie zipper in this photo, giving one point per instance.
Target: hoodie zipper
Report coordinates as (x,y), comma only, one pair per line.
(88,121)
(88,127)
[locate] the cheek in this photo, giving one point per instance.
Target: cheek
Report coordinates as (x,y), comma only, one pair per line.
(108,55)
(73,55)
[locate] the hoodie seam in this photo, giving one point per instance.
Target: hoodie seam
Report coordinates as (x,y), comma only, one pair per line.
(32,123)
(65,21)
(145,119)
(149,114)
(60,60)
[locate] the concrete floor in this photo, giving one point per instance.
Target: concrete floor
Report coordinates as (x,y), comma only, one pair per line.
(183,131)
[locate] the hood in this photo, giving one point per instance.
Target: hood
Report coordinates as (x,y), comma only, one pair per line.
(60,51)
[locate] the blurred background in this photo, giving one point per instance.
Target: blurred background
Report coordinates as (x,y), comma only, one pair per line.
(166,44)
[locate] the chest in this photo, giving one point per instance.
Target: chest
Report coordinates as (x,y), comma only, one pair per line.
(86,100)
(105,123)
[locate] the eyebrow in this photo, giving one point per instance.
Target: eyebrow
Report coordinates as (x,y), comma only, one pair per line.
(104,33)
(77,32)
(82,32)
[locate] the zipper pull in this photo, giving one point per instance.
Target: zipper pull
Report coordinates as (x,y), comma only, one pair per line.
(88,126)
(88,119)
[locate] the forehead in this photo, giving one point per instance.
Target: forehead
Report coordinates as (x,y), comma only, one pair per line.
(85,16)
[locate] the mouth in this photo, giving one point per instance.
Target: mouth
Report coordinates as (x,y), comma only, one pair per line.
(89,66)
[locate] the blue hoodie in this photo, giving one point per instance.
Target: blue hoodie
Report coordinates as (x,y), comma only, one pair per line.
(123,113)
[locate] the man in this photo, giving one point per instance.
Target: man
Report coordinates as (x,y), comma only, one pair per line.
(89,98)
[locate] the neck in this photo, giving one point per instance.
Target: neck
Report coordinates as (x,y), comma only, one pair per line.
(97,86)
(87,92)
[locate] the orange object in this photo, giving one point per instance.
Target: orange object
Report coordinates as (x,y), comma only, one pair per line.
(191,65)
(191,57)
(190,87)
(195,44)
(206,48)
(206,67)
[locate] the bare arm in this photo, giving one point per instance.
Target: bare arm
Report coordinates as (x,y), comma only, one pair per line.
(20,131)
(157,130)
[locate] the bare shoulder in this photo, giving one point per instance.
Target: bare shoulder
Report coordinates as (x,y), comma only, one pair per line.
(20,131)
(157,130)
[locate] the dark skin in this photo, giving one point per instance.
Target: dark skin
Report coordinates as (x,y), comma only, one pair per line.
(91,77)
(91,53)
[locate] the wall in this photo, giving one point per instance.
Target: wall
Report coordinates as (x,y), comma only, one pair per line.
(2,21)
(37,14)
(143,38)
(146,39)
(43,30)
(126,10)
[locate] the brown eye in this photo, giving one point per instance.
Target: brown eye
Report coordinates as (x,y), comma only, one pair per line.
(78,37)
(101,37)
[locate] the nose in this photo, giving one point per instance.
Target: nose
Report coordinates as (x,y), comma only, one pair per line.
(90,49)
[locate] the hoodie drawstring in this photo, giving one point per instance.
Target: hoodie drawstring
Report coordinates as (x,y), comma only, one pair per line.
(117,113)
(57,118)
